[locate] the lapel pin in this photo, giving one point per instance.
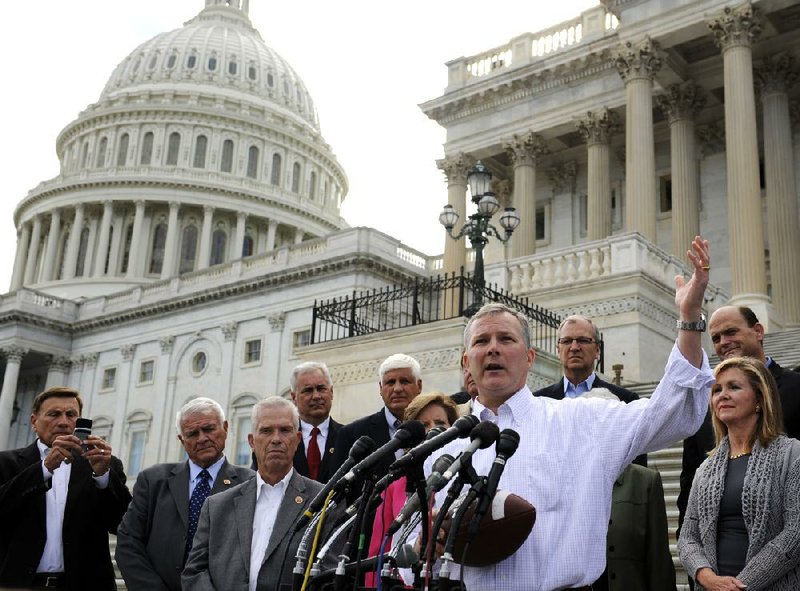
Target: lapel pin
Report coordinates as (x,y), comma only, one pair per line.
(226,481)
(330,451)
(299,500)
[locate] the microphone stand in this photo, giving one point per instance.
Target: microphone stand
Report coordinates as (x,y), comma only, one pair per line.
(444,573)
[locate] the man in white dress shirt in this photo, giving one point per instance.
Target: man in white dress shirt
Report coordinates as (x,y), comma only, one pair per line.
(243,532)
(571,451)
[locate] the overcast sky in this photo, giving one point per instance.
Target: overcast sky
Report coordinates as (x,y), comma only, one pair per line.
(366,64)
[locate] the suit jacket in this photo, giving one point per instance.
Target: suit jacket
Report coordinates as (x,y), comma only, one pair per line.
(220,556)
(374,426)
(696,447)
(152,536)
(637,547)
(327,466)
(90,515)
(557,391)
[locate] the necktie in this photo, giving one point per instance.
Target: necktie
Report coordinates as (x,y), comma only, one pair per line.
(313,455)
(201,492)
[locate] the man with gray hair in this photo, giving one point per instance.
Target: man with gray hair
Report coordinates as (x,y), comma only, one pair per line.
(245,532)
(156,533)
(400,382)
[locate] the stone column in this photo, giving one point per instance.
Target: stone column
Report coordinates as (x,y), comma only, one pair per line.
(74,242)
(102,244)
(680,104)
(241,220)
(523,151)
(88,261)
(169,267)
(637,65)
(122,393)
(298,235)
(773,78)
(33,251)
(276,321)
(163,426)
(205,237)
(272,230)
(23,244)
(136,256)
(57,369)
(117,238)
(597,128)
(735,30)
(49,262)
(455,169)
(14,357)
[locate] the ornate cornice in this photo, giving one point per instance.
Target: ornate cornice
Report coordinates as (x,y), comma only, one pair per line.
(638,61)
(597,127)
(774,74)
(14,353)
(455,167)
(523,150)
(660,315)
(681,101)
(734,27)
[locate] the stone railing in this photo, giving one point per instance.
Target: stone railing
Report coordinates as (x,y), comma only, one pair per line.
(615,256)
(530,47)
(344,243)
(28,300)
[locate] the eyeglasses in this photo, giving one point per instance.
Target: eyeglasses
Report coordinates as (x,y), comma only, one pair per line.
(582,341)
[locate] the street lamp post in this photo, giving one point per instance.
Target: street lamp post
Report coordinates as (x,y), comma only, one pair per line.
(478,226)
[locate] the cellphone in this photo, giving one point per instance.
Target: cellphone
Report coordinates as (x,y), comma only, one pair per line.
(83,428)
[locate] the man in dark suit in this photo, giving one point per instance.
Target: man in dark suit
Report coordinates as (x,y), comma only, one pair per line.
(312,393)
(58,502)
(152,538)
(400,382)
(736,332)
(244,532)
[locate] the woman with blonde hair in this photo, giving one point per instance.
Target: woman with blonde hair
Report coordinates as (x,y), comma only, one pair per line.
(742,526)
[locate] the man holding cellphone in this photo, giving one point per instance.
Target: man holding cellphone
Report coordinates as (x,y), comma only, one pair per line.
(58,503)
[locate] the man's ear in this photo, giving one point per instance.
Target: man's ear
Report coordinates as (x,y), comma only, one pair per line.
(759,328)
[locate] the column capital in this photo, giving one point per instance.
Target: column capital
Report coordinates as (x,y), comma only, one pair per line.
(166,343)
(563,176)
(229,329)
(638,61)
(59,363)
(140,203)
(735,26)
(711,138)
(455,167)
(208,209)
(681,101)
(174,205)
(525,149)
(108,203)
(14,353)
(774,74)
(276,321)
(90,359)
(241,215)
(597,127)
(127,351)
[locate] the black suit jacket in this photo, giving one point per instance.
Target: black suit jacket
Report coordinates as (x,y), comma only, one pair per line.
(327,466)
(696,447)
(375,427)
(90,515)
(557,391)
(152,536)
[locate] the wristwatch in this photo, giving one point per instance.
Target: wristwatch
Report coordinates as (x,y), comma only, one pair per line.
(697,325)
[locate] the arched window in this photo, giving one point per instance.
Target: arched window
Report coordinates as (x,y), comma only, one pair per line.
(171,61)
(312,186)
(227,156)
(126,253)
(233,67)
(83,246)
(122,149)
(276,169)
(101,153)
(270,80)
(219,240)
(191,61)
(247,246)
(159,241)
(188,249)
(84,154)
(252,162)
(296,177)
(212,64)
(147,148)
(173,148)
(251,72)
(200,145)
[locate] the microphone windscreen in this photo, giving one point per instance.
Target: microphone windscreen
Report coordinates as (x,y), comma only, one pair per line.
(508,442)
(487,432)
(442,463)
(411,433)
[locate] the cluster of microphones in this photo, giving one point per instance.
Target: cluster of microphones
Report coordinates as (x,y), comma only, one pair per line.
(331,553)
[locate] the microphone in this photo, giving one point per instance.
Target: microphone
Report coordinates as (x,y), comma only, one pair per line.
(409,433)
(363,446)
(507,444)
(482,436)
(441,464)
(461,428)
(390,477)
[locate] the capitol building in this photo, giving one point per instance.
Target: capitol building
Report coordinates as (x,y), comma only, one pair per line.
(193,238)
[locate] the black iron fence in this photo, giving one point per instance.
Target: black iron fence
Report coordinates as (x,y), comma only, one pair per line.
(424,300)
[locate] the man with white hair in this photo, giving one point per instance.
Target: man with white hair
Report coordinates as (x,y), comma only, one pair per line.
(400,382)
(156,533)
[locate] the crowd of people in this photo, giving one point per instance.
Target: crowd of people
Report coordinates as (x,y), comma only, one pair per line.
(205,524)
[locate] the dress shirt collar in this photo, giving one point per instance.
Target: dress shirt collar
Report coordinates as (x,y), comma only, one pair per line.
(305,429)
(516,407)
(213,470)
(43,449)
(768,361)
(574,390)
(280,486)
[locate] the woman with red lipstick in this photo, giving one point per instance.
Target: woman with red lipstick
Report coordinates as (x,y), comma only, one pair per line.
(742,526)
